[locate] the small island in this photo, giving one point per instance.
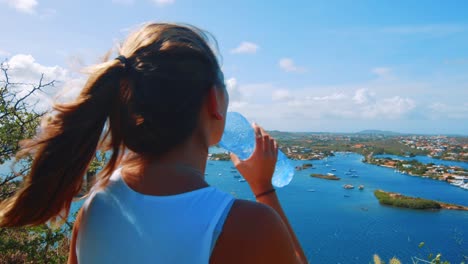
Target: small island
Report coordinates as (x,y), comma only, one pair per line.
(326,177)
(224,156)
(304,166)
(399,200)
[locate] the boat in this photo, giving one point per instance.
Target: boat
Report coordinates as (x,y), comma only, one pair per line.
(237,176)
(330,174)
(354,176)
(457,183)
(333,169)
(348,186)
(241,180)
(219,174)
(311,190)
(327,165)
(361,187)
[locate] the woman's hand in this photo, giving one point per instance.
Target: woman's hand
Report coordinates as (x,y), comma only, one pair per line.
(259,167)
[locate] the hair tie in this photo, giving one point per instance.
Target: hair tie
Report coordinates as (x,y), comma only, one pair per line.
(265,193)
(123,60)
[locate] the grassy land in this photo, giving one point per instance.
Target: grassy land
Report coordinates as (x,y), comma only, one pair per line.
(367,145)
(220,156)
(399,200)
(326,177)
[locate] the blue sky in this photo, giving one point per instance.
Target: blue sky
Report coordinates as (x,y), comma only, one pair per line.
(338,66)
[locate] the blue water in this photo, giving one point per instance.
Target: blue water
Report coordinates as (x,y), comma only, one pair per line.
(336,229)
(426,160)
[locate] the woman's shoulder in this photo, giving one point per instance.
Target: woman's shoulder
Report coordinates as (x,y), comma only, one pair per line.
(249,216)
(243,208)
(253,233)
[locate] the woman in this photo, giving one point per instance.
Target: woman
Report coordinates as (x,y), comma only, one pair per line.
(162,102)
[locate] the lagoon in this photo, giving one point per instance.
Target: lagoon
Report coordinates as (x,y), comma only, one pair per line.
(334,228)
(337,229)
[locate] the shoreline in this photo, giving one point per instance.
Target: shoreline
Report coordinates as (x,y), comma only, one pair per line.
(454,175)
(225,156)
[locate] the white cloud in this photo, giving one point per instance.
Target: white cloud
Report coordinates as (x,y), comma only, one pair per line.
(163,2)
(288,65)
(441,110)
(233,90)
(362,96)
(389,108)
(246,48)
(396,104)
(281,95)
(332,97)
(25,72)
(24,68)
(25,6)
(3,53)
(382,72)
(301,109)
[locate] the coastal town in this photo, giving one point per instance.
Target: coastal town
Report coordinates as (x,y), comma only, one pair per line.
(454,175)
(370,144)
(443,147)
(309,146)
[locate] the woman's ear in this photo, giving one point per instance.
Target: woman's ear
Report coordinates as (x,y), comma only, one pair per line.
(214,103)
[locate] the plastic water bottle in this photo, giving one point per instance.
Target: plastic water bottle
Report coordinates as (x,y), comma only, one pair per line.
(239,138)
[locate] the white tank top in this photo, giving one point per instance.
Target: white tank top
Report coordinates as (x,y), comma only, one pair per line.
(120,225)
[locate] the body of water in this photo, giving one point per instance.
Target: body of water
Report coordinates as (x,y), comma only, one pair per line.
(336,225)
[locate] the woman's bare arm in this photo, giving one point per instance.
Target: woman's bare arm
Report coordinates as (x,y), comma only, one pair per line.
(258,170)
(254,233)
(72,258)
(272,200)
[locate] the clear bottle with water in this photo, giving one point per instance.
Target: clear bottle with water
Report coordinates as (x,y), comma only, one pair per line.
(239,138)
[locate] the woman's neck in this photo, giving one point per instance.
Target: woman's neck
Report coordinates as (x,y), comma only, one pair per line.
(178,171)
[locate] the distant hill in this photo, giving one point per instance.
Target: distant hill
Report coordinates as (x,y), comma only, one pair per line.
(378,132)
(296,135)
(371,132)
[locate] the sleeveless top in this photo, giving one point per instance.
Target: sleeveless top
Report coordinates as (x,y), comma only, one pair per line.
(119,225)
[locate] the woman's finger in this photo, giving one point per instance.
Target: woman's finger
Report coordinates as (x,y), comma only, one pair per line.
(266,140)
(257,130)
(258,138)
(266,144)
(263,131)
(276,149)
(272,146)
(234,159)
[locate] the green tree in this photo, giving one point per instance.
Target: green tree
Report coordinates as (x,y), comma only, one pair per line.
(19,120)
